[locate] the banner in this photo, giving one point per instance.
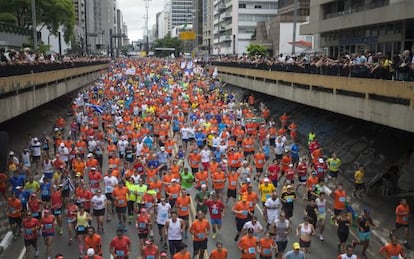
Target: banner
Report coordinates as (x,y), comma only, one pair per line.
(187,35)
(130,71)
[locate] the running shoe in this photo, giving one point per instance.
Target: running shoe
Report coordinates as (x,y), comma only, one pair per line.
(37,252)
(214,236)
(321,237)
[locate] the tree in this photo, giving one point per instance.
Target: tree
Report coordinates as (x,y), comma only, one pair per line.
(254,49)
(168,42)
(49,13)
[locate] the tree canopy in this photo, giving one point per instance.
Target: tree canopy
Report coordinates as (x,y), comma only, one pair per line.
(168,42)
(254,49)
(49,13)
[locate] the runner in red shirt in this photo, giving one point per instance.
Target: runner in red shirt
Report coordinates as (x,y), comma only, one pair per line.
(30,226)
(216,209)
(150,251)
(48,230)
(120,246)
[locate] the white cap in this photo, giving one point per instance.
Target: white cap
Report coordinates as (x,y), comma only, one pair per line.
(90,252)
(93,168)
(290,165)
(320,160)
(11,153)
(245,162)
(56,129)
(162,148)
(62,144)
(248,180)
(203,186)
(266,180)
(90,155)
(35,139)
(173,180)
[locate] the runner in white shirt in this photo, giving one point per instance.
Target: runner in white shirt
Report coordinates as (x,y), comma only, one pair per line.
(98,204)
(321,216)
(110,182)
(205,157)
(255,224)
(272,208)
(162,211)
(185,135)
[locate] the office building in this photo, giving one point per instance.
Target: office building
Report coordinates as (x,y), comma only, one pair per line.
(352,26)
(235,23)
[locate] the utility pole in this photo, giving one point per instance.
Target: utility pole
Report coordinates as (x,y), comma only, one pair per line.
(34,24)
(146,26)
(295,18)
(86,29)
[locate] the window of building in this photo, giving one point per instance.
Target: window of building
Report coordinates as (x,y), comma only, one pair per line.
(242,5)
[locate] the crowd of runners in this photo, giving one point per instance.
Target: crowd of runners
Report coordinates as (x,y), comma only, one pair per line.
(149,133)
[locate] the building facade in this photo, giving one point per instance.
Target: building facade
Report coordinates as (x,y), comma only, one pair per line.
(208,25)
(181,12)
(352,26)
(235,22)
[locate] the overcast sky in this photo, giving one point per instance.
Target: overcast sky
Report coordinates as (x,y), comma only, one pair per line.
(134,12)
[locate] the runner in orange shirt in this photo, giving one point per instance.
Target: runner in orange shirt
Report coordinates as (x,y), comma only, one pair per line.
(173,190)
(201,178)
(93,240)
(14,208)
(266,247)
(200,229)
(339,199)
(219,252)
(252,199)
(183,209)
(248,245)
(120,195)
(259,161)
(241,210)
(182,252)
(392,249)
(194,160)
(233,182)
(218,180)
(402,219)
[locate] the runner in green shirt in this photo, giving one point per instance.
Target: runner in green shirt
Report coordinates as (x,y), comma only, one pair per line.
(187,179)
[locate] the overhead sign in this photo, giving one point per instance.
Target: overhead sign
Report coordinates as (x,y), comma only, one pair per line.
(187,35)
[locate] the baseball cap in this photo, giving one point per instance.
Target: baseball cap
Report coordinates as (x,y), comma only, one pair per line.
(90,155)
(203,186)
(162,148)
(163,253)
(93,168)
(149,241)
(90,252)
(296,246)
(143,210)
(266,180)
(250,230)
(289,186)
(320,160)
(248,180)
(173,180)
(62,144)
(11,153)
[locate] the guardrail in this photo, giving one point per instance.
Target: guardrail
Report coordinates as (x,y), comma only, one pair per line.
(16,84)
(397,92)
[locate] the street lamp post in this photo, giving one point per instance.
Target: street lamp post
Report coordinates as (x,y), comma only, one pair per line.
(34,24)
(295,18)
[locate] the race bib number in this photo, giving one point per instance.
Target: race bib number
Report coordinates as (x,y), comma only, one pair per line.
(120,253)
(267,251)
(48,226)
(121,202)
(142,225)
(341,199)
(201,236)
(183,208)
(214,211)
(251,250)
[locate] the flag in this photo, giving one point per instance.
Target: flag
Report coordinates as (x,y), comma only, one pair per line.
(185,26)
(97,108)
(215,73)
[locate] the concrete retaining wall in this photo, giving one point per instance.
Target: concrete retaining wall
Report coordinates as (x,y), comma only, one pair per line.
(17,104)
(389,114)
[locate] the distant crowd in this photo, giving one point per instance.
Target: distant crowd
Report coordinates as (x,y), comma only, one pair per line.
(364,64)
(28,56)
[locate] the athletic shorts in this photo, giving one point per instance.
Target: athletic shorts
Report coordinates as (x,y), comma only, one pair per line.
(359,186)
(337,212)
(184,217)
(333,174)
(200,245)
(304,244)
(215,221)
(160,226)
(240,223)
(45,198)
(31,242)
(248,153)
(364,236)
(399,225)
(109,196)
(48,234)
(143,235)
(15,220)
(81,230)
(99,212)
(281,246)
(259,170)
(120,209)
(232,193)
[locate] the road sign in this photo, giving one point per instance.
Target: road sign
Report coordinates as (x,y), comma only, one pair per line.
(187,35)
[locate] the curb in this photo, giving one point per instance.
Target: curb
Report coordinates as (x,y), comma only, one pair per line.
(5,242)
